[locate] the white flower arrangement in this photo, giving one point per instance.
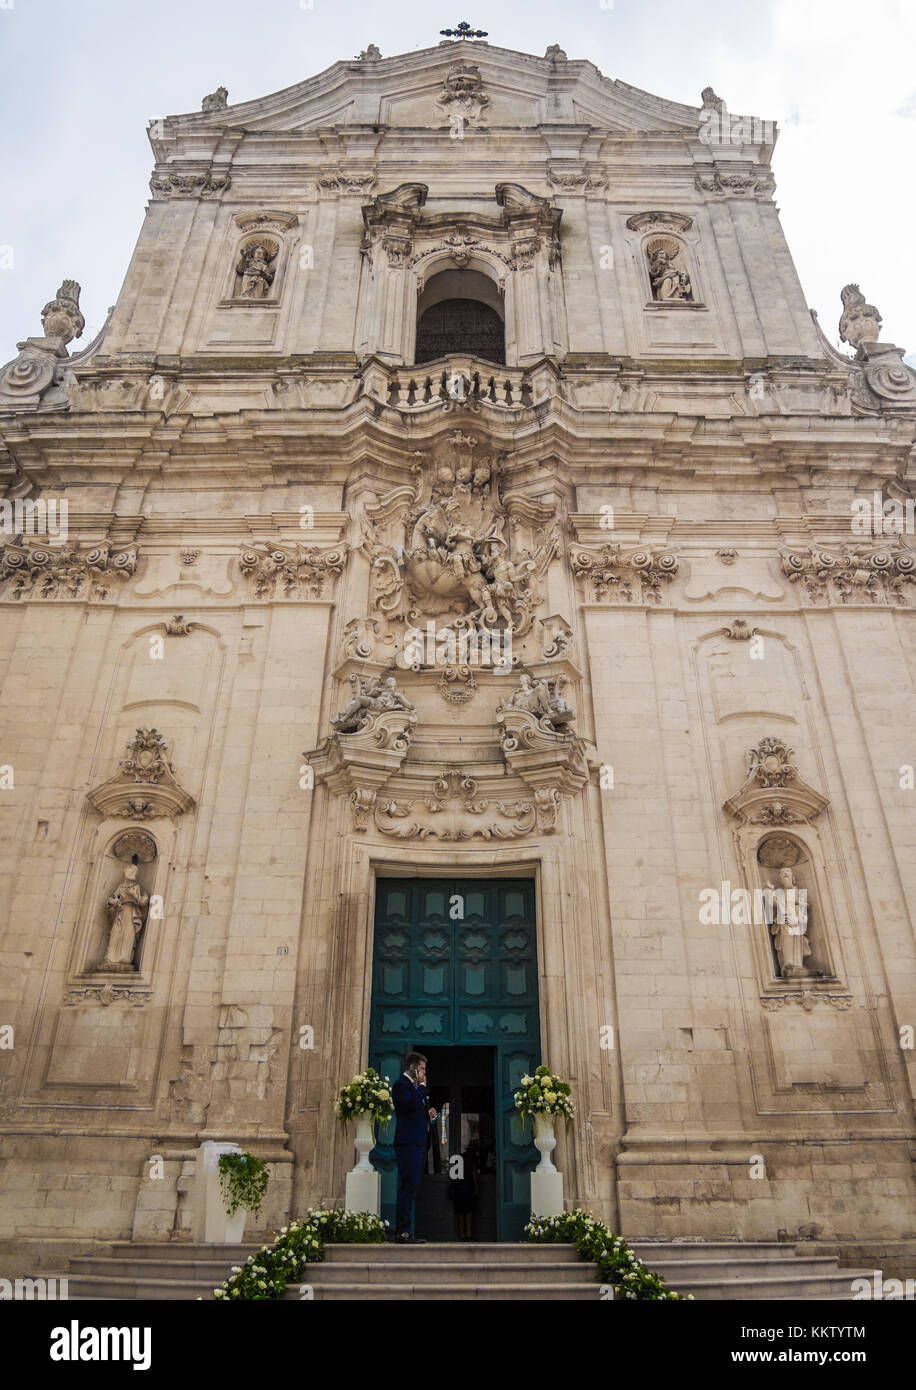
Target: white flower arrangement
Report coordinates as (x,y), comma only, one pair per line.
(367,1094)
(544,1094)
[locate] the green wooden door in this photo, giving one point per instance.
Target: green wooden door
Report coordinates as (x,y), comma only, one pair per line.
(455,964)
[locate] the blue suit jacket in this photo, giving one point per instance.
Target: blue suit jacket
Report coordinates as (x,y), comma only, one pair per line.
(410,1104)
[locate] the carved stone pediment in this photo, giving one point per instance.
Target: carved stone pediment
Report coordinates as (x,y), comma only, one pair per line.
(659,222)
(774,793)
(145,785)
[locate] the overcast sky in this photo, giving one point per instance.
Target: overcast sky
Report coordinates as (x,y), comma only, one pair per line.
(81,79)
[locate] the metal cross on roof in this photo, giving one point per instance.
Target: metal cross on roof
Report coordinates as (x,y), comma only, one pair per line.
(464,31)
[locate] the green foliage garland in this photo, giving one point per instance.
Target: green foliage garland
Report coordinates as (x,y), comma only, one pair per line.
(267,1274)
(614,1261)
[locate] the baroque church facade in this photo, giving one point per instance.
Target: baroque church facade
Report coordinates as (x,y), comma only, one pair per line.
(459,630)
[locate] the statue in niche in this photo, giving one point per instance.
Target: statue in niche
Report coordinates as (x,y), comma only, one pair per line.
(256,269)
(787,916)
(546,704)
(126,919)
(668,280)
(377,697)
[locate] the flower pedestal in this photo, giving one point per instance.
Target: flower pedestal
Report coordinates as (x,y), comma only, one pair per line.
(362,1191)
(546,1181)
(210,1224)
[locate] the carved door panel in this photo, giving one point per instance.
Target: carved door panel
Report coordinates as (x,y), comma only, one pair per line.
(455,964)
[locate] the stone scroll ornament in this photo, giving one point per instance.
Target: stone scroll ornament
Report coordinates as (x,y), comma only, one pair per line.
(145,785)
(39,374)
(885,373)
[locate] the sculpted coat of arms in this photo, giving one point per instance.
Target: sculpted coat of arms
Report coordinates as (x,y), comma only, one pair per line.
(441,547)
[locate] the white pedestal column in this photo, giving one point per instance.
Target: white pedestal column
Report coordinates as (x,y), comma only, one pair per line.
(546,1182)
(211,1225)
(363,1182)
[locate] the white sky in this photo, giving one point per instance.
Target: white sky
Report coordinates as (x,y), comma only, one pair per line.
(80,80)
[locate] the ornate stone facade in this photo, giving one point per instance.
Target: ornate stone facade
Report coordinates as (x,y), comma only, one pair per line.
(594,616)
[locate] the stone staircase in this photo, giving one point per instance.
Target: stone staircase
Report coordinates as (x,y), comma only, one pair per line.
(442,1272)
(746,1269)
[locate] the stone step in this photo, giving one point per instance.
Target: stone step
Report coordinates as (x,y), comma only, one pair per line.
(92,1286)
(397,1272)
(183,1250)
(738,1268)
(781,1285)
(208,1271)
(455,1252)
(652,1251)
(452,1292)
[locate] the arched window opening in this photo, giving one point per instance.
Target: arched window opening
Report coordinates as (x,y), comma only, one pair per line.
(460,311)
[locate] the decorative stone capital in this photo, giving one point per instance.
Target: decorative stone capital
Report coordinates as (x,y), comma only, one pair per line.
(291,570)
(852,573)
(635,577)
(53,572)
(145,785)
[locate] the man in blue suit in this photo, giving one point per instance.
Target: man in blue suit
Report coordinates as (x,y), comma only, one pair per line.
(414,1116)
